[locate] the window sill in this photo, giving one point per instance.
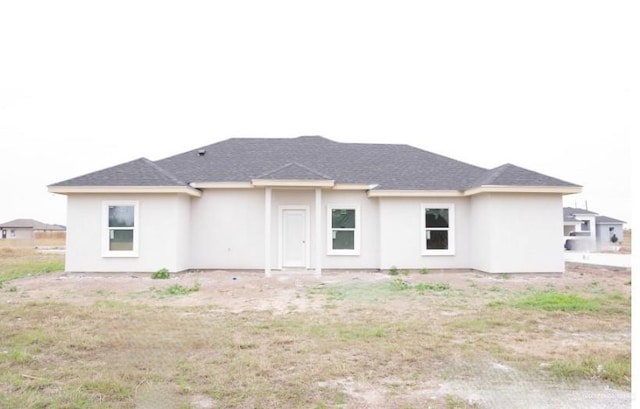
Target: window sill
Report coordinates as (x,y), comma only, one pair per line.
(122,254)
(343,253)
(438,253)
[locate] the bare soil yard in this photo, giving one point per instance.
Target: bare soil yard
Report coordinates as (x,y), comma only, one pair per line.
(219,339)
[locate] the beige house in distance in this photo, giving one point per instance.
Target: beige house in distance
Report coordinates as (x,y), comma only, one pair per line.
(310,203)
(28,229)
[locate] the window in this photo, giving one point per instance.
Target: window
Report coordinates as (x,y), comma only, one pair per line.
(344,230)
(121,229)
(438,236)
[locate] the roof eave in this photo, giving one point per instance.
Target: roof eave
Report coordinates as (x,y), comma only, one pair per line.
(413,193)
(221,185)
(293,183)
(565,190)
(67,190)
(474,191)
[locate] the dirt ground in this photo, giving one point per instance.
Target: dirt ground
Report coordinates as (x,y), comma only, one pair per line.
(284,292)
(500,386)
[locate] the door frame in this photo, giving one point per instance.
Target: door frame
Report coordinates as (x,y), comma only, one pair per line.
(307,233)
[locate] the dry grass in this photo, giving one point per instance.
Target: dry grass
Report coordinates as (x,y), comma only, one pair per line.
(368,344)
(19,258)
(625,248)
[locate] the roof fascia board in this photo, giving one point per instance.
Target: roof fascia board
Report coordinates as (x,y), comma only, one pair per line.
(221,185)
(524,189)
(353,186)
(414,193)
(292,183)
(474,191)
(124,189)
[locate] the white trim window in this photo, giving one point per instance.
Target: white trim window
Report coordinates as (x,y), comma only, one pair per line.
(343,237)
(438,229)
(120,229)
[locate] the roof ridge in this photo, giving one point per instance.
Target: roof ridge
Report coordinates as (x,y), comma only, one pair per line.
(290,164)
(490,175)
(163,171)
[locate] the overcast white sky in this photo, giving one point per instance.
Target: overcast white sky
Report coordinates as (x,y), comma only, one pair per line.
(547,85)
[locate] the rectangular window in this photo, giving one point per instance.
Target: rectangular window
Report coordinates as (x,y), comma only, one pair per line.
(344,230)
(121,229)
(438,236)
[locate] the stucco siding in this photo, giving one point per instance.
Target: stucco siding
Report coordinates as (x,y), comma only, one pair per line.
(227,229)
(183,233)
(401,236)
(482,232)
(517,233)
(159,229)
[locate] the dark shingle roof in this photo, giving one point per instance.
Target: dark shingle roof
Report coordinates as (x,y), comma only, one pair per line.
(570,211)
(389,166)
(139,172)
(30,224)
(607,220)
(512,175)
(293,171)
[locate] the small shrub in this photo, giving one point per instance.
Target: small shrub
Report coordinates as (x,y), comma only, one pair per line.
(178,289)
(424,271)
(400,284)
(12,289)
(422,287)
(161,274)
(393,271)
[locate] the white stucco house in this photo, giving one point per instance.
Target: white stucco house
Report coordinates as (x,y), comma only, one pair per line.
(585,230)
(309,203)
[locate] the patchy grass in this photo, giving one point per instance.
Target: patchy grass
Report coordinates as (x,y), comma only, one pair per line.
(393,338)
(556,301)
(615,369)
(18,262)
(178,289)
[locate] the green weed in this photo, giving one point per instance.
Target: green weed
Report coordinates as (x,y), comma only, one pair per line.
(178,289)
(616,369)
(161,274)
(422,287)
(555,301)
(400,284)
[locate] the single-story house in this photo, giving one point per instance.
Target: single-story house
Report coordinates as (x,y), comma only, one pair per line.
(28,229)
(310,203)
(585,230)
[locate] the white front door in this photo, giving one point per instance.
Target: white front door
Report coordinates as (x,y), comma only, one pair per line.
(294,238)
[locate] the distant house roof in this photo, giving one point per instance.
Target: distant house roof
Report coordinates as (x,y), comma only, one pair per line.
(385,166)
(576,210)
(31,224)
(571,212)
(608,220)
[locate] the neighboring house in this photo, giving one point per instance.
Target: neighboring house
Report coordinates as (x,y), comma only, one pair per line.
(27,229)
(310,203)
(585,230)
